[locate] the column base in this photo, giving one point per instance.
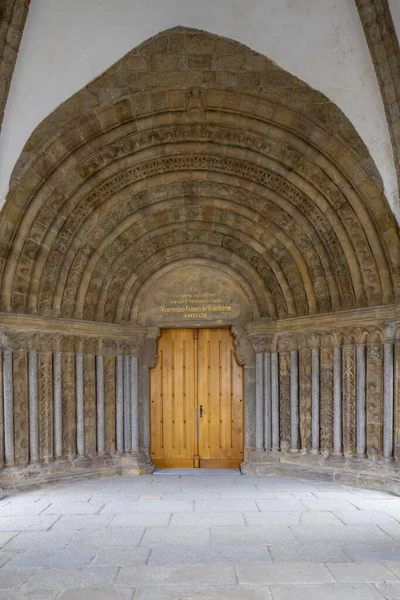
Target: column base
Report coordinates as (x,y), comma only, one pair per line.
(361,472)
(82,467)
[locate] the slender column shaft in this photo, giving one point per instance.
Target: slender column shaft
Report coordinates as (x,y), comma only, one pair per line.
(119,409)
(33,405)
(275,400)
(8,407)
(259,401)
(267,403)
(360,400)
(100,403)
(294,401)
(135,403)
(315,420)
(80,436)
(388,400)
(127,404)
(57,404)
(337,400)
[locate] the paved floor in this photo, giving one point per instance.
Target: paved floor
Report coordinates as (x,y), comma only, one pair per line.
(213,537)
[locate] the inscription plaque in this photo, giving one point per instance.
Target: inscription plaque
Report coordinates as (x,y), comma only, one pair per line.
(194,295)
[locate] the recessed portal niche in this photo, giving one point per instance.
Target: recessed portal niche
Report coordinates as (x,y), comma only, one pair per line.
(194,295)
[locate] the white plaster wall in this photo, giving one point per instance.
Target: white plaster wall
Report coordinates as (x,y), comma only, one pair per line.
(67,43)
(394,6)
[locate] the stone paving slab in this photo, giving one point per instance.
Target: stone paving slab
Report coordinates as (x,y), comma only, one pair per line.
(314,552)
(296,573)
(361,572)
(208,519)
(216,593)
(52,558)
(241,536)
(339,591)
(98,594)
(151,576)
(29,595)
(232,555)
(122,557)
(12,579)
(140,520)
(390,591)
(176,536)
(60,578)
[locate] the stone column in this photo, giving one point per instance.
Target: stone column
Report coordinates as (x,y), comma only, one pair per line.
(315,401)
(127,405)
(326,401)
(305,399)
(8,407)
(259,401)
(46,409)
(337,400)
(33,406)
(100,403)
(284,400)
(69,404)
(80,435)
(349,401)
(21,407)
(294,401)
(135,403)
(374,400)
(1,411)
(119,409)
(360,400)
(57,387)
(397,400)
(89,403)
(267,403)
(275,400)
(110,403)
(388,400)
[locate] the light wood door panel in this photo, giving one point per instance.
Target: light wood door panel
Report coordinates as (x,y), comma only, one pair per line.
(220,393)
(196,391)
(173,409)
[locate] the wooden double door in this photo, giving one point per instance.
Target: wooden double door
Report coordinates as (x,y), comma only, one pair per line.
(196,395)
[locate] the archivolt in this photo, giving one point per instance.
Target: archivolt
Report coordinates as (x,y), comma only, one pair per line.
(235,179)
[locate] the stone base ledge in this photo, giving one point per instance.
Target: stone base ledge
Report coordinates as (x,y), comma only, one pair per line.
(358,472)
(34,475)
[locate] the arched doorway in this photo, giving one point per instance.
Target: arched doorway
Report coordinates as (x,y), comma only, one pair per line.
(264,188)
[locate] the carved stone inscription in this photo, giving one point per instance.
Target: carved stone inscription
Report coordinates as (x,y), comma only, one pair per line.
(194,294)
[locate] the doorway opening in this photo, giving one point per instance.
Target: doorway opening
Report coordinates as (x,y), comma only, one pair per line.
(196,401)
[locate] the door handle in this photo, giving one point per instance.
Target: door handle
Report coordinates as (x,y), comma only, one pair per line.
(201,411)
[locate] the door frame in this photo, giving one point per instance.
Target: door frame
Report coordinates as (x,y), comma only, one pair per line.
(245,356)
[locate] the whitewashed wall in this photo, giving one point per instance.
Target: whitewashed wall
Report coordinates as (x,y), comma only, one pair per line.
(67,43)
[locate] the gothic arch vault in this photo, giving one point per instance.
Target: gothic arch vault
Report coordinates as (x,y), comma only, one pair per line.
(193,148)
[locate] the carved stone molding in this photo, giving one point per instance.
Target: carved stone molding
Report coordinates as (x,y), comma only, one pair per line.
(385,53)
(13,15)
